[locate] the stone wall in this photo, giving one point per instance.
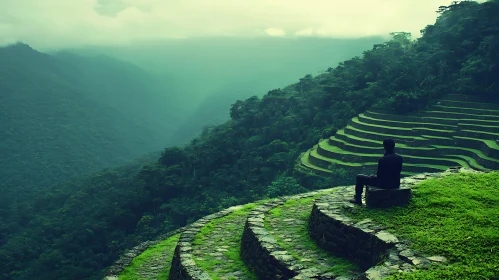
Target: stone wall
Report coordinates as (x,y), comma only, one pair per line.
(335,232)
(260,250)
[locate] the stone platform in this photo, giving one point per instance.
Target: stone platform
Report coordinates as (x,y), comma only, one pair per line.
(385,198)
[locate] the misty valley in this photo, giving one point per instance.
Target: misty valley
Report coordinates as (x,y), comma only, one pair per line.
(218,156)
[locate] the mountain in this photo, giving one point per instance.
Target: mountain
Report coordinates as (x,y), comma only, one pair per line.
(207,75)
(80,227)
(64,115)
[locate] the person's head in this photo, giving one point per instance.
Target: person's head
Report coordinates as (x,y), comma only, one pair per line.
(389,144)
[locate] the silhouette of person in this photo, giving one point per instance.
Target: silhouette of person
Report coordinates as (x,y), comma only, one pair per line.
(388,173)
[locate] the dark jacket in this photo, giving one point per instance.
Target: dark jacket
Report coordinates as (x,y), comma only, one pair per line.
(389,169)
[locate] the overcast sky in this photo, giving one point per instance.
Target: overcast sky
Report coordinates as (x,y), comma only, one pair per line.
(69,23)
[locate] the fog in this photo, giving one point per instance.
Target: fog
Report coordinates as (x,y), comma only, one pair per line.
(53,23)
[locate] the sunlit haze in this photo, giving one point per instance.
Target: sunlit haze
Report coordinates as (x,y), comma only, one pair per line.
(56,23)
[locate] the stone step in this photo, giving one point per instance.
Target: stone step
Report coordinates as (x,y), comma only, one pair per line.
(276,243)
(216,249)
(183,265)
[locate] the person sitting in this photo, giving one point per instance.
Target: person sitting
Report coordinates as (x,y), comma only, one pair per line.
(387,175)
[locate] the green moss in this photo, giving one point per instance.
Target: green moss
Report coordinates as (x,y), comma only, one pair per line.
(156,251)
(233,235)
(302,237)
(455,217)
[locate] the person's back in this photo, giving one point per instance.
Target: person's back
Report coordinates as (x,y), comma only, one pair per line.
(389,169)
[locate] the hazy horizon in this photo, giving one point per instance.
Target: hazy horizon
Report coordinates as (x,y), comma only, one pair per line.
(54,24)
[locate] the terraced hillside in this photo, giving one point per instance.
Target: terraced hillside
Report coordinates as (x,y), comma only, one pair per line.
(458,130)
(316,235)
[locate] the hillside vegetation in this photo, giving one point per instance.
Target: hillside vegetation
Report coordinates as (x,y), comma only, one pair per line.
(208,74)
(252,156)
(449,225)
(64,115)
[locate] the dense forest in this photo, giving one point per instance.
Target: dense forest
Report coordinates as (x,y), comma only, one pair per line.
(61,117)
(70,234)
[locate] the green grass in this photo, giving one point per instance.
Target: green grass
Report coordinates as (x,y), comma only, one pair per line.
(339,162)
(479,125)
(385,135)
(338,150)
(305,161)
(457,113)
(484,132)
(416,124)
(464,108)
(472,162)
(342,266)
(492,144)
(350,164)
(436,137)
(356,120)
(436,119)
(234,252)
(477,152)
(312,167)
(456,217)
(379,144)
(130,272)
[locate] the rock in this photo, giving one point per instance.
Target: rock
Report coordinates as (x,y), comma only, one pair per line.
(385,198)
(439,259)
(376,273)
(387,237)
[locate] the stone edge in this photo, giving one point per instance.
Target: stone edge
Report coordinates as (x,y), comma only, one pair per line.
(260,250)
(183,263)
(127,258)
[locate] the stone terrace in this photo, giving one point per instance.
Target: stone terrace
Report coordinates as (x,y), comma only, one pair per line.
(307,236)
(456,131)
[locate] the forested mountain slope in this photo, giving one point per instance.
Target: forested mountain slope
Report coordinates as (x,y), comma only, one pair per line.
(66,115)
(206,75)
(253,155)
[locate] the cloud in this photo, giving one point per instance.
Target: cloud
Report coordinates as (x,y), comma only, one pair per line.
(275,32)
(56,23)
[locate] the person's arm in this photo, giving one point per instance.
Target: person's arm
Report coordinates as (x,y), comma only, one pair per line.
(380,169)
